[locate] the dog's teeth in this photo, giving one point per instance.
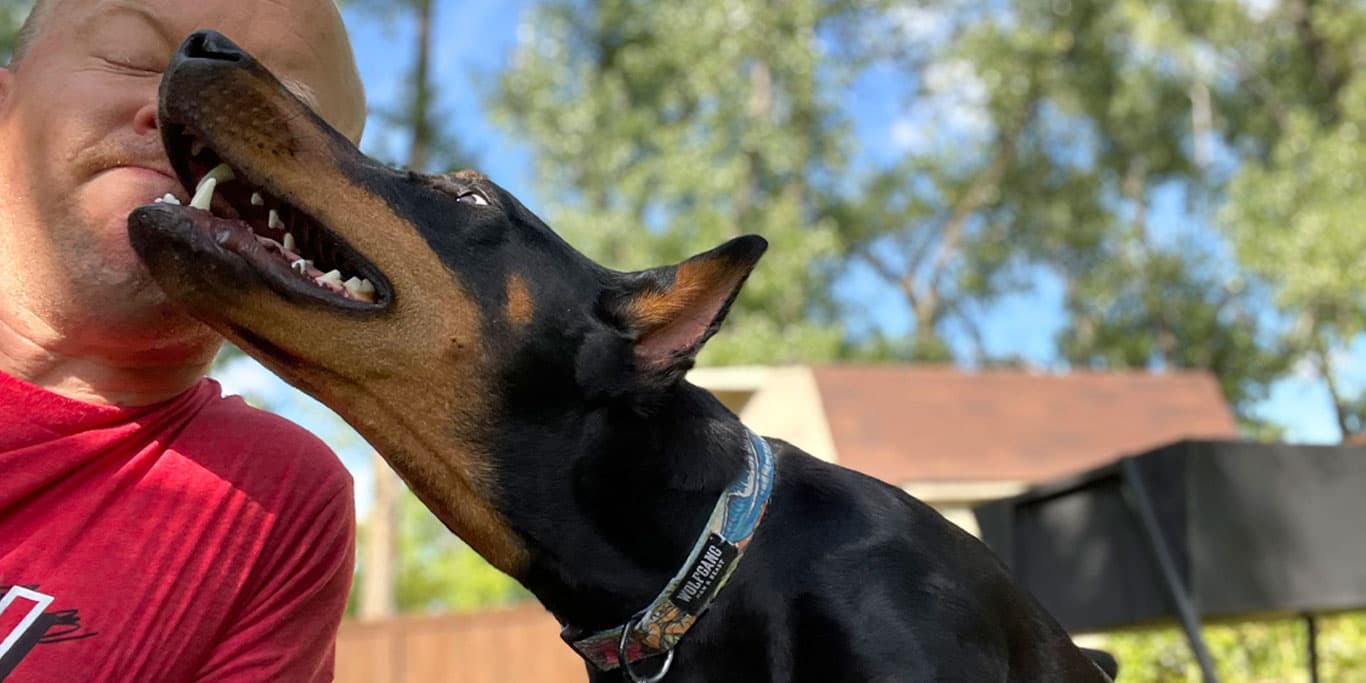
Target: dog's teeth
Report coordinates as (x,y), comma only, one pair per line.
(256,199)
(222,173)
(301,265)
(169,198)
(274,221)
(196,147)
(290,245)
(158,200)
(203,195)
(360,289)
(331,277)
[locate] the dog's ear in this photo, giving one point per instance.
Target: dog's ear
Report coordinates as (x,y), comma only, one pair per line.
(668,313)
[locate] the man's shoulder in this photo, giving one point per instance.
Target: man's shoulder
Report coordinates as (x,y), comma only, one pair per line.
(253,448)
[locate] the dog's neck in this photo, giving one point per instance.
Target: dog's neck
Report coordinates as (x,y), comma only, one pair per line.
(612,522)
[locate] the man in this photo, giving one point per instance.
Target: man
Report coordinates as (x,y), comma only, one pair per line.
(150,530)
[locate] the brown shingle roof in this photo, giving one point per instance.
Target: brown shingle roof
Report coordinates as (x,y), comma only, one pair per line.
(905,423)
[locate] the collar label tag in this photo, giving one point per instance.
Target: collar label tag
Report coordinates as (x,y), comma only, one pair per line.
(703,577)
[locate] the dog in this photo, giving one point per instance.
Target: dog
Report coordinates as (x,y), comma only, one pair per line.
(535,401)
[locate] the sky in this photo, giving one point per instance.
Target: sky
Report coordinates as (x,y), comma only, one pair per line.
(475,39)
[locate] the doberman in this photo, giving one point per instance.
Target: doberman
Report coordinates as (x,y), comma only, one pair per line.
(535,401)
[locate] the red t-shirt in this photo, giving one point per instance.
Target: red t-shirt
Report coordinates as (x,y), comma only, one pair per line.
(195,540)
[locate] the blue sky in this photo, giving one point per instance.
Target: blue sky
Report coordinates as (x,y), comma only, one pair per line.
(475,39)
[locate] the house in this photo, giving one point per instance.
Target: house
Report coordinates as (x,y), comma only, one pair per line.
(955,438)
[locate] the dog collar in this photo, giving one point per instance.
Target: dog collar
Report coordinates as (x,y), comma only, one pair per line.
(658,628)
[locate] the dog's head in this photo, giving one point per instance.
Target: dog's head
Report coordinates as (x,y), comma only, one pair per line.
(434,313)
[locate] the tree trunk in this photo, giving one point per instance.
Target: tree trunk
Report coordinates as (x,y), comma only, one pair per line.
(419,115)
(1324,360)
(377,581)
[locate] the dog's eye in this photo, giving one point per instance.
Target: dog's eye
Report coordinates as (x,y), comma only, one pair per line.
(473,197)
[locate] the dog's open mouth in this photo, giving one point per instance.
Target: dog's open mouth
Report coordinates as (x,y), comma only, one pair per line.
(293,251)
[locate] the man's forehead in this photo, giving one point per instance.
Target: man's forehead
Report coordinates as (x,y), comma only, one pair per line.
(302,41)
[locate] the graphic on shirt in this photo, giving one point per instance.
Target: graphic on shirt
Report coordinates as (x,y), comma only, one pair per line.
(26,623)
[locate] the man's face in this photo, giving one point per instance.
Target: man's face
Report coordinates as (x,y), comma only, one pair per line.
(80,148)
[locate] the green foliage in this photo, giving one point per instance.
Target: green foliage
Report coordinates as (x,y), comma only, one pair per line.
(435,571)
(1254,652)
(441,573)
(1295,205)
(1088,119)
(12,13)
(662,129)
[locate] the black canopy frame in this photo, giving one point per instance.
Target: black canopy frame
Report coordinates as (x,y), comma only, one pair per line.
(1192,531)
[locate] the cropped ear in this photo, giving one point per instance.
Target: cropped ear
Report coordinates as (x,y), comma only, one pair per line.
(668,313)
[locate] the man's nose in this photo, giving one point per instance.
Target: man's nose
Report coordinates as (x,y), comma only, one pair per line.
(210,45)
(145,120)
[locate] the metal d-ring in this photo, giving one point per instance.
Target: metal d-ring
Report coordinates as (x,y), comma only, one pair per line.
(626,661)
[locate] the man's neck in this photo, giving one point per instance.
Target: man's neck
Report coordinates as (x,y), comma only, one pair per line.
(102,374)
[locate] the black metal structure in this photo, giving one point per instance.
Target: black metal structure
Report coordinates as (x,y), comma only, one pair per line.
(1196,530)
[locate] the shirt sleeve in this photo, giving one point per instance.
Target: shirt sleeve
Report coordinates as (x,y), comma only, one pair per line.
(288,625)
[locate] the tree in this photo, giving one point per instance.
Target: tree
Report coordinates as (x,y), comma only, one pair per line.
(12,13)
(662,129)
(1062,125)
(1297,202)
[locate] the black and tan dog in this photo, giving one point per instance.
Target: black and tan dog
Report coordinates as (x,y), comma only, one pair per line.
(535,401)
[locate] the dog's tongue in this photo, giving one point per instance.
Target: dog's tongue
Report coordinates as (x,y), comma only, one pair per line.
(330,280)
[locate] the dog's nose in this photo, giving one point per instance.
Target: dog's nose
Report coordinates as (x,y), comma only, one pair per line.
(211,45)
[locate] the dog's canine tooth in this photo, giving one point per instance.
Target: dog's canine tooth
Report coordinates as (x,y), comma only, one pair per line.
(222,173)
(257,200)
(196,147)
(289,243)
(274,221)
(203,195)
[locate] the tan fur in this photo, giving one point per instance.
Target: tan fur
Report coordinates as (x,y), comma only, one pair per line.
(415,380)
(693,280)
(519,307)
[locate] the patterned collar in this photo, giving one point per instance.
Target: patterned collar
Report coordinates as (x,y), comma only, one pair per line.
(658,628)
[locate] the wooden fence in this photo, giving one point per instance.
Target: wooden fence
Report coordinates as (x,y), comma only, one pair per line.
(503,646)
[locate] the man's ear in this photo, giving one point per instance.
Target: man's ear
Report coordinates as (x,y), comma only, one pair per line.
(668,313)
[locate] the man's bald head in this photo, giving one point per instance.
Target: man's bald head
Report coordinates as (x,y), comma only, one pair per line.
(341,102)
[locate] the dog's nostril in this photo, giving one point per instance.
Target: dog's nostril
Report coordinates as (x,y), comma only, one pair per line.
(212,45)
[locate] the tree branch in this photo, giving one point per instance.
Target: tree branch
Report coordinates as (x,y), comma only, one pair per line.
(888,273)
(977,195)
(1325,364)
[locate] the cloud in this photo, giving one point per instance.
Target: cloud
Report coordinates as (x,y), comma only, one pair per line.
(952,112)
(923,27)
(1259,10)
